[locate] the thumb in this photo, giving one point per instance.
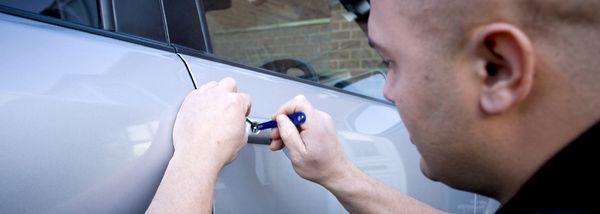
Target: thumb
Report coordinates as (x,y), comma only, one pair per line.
(289,134)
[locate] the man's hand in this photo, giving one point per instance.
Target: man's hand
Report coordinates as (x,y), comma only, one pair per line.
(209,131)
(211,125)
(314,149)
(317,155)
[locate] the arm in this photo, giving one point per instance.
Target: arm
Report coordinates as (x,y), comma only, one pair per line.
(187,187)
(317,155)
(360,193)
(206,137)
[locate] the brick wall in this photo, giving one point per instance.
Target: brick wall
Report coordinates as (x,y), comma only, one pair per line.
(350,46)
(331,44)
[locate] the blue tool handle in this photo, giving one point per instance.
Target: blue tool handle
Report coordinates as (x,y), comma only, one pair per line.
(296,118)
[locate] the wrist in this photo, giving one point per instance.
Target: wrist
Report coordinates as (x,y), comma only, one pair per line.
(196,162)
(206,152)
(344,176)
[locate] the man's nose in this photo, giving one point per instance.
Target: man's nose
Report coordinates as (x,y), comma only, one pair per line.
(387,90)
(388,96)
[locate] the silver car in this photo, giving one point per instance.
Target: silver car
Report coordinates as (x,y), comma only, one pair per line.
(89,90)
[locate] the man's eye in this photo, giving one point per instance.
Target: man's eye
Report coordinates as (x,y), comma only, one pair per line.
(386,63)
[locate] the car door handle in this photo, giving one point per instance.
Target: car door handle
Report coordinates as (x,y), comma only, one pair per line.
(263,137)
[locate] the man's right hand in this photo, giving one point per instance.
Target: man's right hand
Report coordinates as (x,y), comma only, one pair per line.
(313,147)
(317,155)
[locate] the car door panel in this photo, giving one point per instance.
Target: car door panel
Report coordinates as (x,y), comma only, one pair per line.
(86,120)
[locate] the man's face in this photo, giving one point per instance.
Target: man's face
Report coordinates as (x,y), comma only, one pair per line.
(435,101)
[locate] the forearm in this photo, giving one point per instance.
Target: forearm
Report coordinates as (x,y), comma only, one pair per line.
(187,186)
(360,193)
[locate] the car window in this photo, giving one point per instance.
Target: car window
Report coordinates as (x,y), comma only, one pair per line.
(79,11)
(142,18)
(315,40)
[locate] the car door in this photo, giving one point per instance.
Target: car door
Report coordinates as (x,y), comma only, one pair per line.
(279,49)
(87,102)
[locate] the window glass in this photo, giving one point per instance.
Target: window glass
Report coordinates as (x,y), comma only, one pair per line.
(309,39)
(79,11)
(141,18)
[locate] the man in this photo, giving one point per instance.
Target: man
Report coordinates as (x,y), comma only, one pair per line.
(501,98)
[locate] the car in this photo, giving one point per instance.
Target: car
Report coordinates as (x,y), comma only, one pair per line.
(89,91)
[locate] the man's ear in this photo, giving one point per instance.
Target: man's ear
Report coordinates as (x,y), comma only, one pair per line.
(505,64)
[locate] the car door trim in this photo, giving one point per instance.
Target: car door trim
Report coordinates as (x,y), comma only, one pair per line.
(80,27)
(209,56)
(204,26)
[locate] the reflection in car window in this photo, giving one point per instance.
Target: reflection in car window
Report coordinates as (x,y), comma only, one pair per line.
(142,18)
(309,39)
(79,11)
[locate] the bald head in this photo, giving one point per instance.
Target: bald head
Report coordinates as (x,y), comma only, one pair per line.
(565,34)
(503,84)
(536,17)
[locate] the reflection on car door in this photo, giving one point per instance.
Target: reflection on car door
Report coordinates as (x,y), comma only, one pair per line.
(86,120)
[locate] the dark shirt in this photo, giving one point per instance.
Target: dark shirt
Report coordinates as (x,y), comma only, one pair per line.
(567,183)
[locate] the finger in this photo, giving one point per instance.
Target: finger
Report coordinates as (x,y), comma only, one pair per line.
(276,142)
(207,86)
(246,102)
(276,145)
(289,134)
(298,104)
(275,134)
(228,84)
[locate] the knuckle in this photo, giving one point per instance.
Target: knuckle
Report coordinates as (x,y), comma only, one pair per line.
(325,116)
(312,161)
(300,98)
(231,98)
(229,79)
(296,159)
(244,98)
(238,100)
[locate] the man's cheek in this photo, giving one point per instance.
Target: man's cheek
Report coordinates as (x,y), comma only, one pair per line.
(407,113)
